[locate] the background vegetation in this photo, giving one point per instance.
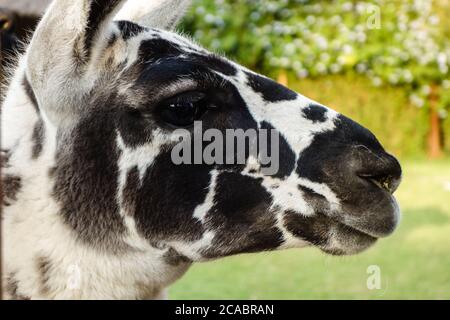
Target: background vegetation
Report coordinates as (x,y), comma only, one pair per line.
(397,46)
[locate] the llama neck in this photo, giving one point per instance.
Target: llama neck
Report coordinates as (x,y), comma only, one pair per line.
(43,258)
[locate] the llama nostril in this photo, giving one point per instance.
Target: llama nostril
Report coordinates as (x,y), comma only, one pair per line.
(383,171)
(389,183)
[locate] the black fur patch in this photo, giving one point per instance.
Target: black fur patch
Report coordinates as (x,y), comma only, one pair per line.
(30,93)
(112,40)
(286,155)
(86,181)
(154,49)
(174,258)
(134,129)
(167,199)
(37,138)
(5,155)
(12,288)
(270,90)
(43,266)
(216,63)
(129,29)
(129,193)
(99,12)
(11,186)
(315,113)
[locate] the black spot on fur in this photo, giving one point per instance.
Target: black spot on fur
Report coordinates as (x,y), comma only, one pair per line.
(12,288)
(11,186)
(30,93)
(315,113)
(129,29)
(241,217)
(37,138)
(5,155)
(98,13)
(286,155)
(43,266)
(270,90)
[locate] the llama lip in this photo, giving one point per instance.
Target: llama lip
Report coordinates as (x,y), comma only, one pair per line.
(352,226)
(373,226)
(347,240)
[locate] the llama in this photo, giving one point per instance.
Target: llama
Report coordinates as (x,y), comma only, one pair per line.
(94,207)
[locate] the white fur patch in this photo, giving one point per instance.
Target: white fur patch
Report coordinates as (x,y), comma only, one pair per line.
(201,210)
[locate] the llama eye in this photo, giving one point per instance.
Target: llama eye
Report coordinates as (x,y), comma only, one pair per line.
(184,109)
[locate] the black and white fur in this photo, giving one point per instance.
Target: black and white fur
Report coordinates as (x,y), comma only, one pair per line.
(88,180)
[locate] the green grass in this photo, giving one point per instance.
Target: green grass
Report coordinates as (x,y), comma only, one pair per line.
(414,262)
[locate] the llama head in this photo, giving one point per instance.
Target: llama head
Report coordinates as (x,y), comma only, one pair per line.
(112,98)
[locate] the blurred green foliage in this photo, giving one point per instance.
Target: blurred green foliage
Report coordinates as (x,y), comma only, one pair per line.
(401,43)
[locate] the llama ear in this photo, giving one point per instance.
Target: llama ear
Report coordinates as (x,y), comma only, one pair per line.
(162,14)
(63,47)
